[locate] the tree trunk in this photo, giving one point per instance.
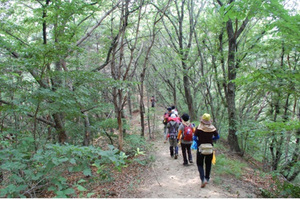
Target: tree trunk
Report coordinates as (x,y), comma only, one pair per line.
(189,97)
(87,133)
(129,103)
(59,126)
(142,105)
(231,89)
(119,113)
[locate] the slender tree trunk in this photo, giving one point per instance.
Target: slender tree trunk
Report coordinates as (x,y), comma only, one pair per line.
(87,133)
(189,98)
(129,103)
(149,115)
(142,78)
(119,116)
(142,108)
(59,126)
(231,89)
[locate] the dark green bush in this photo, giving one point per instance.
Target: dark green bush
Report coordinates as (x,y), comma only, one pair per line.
(26,173)
(283,190)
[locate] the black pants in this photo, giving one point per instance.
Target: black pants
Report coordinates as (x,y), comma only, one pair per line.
(201,159)
(186,148)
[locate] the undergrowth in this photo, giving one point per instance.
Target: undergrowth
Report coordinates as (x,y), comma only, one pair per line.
(229,166)
(26,172)
(283,190)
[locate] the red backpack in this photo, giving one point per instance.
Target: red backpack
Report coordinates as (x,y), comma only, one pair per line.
(188,133)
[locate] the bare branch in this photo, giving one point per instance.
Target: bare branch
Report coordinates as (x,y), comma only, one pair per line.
(88,34)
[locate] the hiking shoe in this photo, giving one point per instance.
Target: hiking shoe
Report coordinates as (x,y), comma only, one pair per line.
(191,161)
(176,156)
(206,180)
(203,184)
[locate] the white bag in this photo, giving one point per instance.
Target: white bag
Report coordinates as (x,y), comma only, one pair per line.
(206,149)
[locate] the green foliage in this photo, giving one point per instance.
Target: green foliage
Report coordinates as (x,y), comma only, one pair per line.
(225,166)
(134,142)
(282,190)
(240,9)
(27,172)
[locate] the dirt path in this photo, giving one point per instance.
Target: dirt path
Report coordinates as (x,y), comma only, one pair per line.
(168,178)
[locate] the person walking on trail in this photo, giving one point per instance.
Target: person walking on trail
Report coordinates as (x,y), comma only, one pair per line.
(172,131)
(153,101)
(165,120)
(176,118)
(204,135)
(185,135)
(174,110)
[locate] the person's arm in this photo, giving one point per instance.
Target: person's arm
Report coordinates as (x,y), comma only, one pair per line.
(179,134)
(167,132)
(216,135)
(195,142)
(193,130)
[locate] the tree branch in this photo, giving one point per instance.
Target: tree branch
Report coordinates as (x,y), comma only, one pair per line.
(31,115)
(88,34)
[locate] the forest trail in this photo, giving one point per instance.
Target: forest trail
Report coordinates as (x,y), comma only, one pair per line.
(166,177)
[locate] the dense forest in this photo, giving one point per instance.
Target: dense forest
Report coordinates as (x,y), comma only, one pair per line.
(73,73)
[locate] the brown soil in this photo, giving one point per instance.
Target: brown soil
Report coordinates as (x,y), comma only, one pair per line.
(168,178)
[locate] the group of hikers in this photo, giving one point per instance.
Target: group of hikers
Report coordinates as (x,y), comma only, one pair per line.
(180,131)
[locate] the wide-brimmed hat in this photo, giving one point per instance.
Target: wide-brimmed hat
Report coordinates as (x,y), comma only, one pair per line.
(206,119)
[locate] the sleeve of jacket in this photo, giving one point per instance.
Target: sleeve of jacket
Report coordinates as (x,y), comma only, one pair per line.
(195,143)
(179,134)
(216,136)
(167,129)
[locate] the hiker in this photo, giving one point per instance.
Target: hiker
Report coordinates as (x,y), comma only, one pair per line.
(177,119)
(174,110)
(153,100)
(185,135)
(204,135)
(172,131)
(165,121)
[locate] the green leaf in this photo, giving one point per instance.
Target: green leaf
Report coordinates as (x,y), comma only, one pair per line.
(90,194)
(81,188)
(87,172)
(52,188)
(60,194)
(72,161)
(3,192)
(69,191)
(21,188)
(81,181)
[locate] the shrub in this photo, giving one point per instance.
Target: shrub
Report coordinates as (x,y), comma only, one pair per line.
(26,172)
(283,190)
(225,165)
